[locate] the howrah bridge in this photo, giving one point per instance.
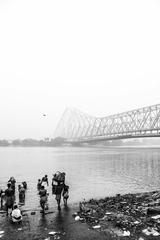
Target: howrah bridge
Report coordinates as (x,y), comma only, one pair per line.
(78,127)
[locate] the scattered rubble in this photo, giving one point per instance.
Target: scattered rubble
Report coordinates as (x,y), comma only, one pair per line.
(131,215)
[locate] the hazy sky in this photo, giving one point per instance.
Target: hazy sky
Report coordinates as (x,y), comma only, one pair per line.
(102,57)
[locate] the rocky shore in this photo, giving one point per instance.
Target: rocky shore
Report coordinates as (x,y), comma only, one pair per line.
(131,216)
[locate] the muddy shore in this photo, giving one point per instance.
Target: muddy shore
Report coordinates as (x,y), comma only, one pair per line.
(51,225)
(129,216)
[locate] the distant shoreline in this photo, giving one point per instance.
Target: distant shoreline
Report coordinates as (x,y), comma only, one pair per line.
(84,146)
(61,142)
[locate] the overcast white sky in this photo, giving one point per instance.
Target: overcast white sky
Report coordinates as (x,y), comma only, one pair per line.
(102,57)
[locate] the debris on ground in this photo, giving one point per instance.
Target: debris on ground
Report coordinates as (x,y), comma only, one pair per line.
(77,218)
(19,229)
(52,233)
(131,215)
(96,227)
(1,234)
(33,213)
(55,235)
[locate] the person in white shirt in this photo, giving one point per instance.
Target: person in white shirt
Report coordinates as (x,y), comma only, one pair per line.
(16,215)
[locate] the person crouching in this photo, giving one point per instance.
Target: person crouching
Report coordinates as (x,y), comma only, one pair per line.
(16,215)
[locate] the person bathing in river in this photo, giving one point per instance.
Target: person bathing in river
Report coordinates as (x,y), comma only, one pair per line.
(39,184)
(21,190)
(9,197)
(58,193)
(2,196)
(59,177)
(43,198)
(12,180)
(24,185)
(65,194)
(45,181)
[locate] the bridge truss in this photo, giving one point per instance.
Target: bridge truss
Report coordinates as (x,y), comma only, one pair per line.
(75,126)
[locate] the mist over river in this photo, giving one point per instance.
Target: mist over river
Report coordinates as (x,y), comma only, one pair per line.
(92,172)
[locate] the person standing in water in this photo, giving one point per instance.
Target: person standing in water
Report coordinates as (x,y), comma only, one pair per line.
(9,196)
(43,198)
(12,180)
(21,194)
(58,193)
(65,194)
(2,196)
(44,181)
(39,184)
(24,185)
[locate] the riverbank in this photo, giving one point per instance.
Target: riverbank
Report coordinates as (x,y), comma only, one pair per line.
(135,216)
(131,216)
(52,225)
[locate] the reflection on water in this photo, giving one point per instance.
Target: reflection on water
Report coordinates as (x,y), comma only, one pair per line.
(90,172)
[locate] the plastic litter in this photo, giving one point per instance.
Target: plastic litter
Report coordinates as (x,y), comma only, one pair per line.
(1,234)
(147,232)
(150,231)
(96,227)
(156,217)
(118,232)
(126,233)
(108,213)
(77,218)
(136,222)
(156,233)
(52,233)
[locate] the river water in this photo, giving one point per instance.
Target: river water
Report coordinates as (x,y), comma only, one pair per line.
(90,172)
